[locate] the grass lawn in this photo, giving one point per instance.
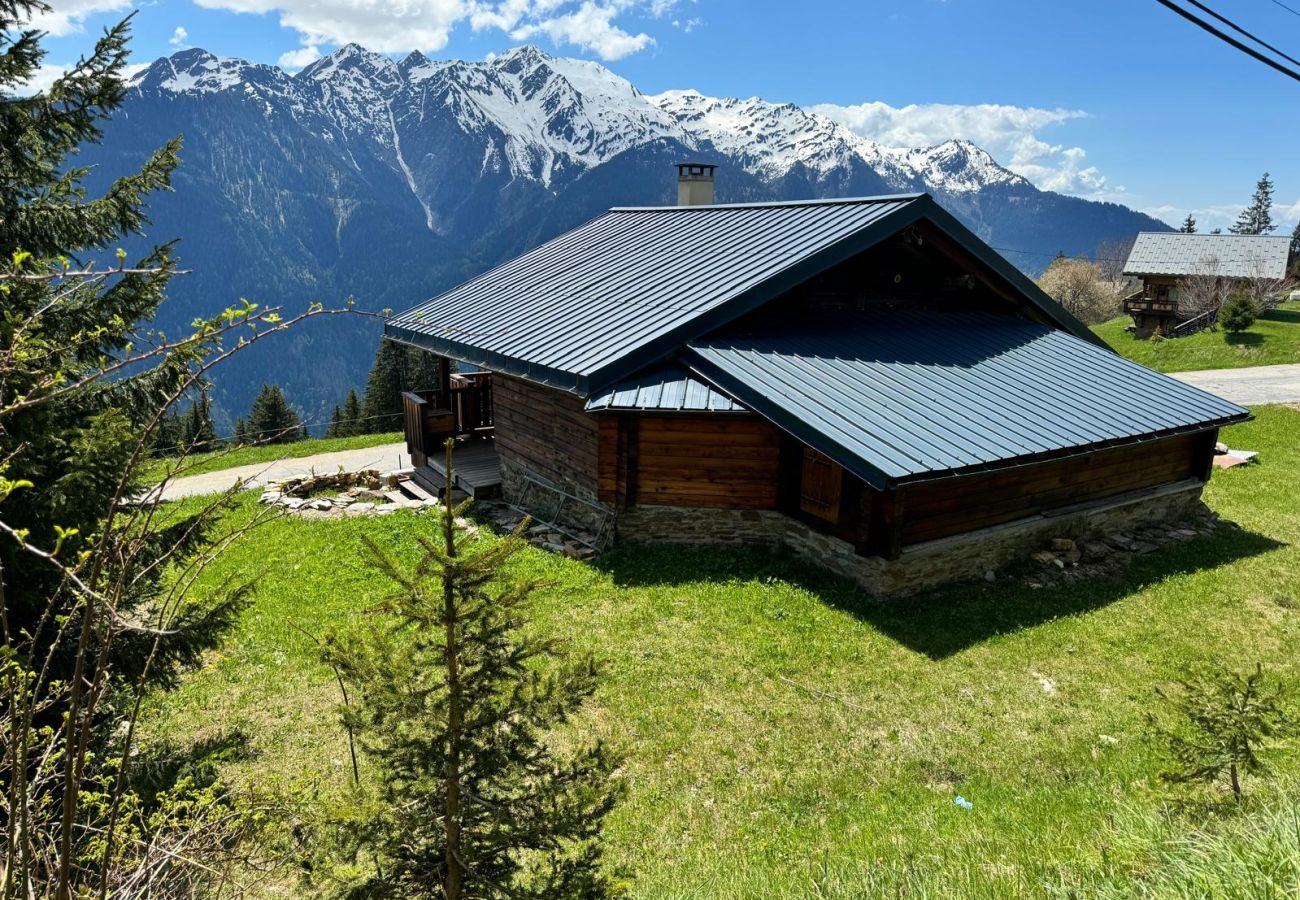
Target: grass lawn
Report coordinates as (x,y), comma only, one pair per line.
(787,736)
(199,463)
(1273,339)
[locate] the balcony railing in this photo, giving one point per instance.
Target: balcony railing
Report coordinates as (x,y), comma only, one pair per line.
(430,417)
(1140,303)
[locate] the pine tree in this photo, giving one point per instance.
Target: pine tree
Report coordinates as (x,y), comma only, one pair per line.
(168,437)
(271,419)
(198,434)
(88,587)
(456,710)
(383,399)
(241,431)
(1295,245)
(335,427)
(1257,217)
(1189,225)
(76,449)
(1238,313)
(354,421)
(423,371)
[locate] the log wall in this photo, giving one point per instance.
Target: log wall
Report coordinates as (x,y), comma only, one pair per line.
(728,461)
(546,431)
(956,505)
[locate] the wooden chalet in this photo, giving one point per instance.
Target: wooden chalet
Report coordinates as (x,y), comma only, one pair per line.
(1165,260)
(862,381)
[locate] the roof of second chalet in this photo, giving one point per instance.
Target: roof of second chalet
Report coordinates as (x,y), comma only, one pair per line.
(625,290)
(1225,255)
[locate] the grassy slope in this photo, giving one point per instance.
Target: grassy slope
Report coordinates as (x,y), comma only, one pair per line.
(264,453)
(788,736)
(1273,339)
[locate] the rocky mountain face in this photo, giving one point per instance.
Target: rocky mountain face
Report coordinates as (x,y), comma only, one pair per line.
(390,181)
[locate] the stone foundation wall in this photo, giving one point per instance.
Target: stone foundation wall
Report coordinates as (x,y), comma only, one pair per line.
(920,566)
(576,516)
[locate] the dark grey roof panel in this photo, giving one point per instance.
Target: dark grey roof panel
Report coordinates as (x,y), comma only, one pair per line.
(630,279)
(668,388)
(911,394)
(1225,255)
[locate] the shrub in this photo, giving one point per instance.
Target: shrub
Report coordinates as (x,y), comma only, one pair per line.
(1221,725)
(1238,314)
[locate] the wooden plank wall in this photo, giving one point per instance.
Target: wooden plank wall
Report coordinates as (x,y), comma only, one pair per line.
(727,461)
(546,430)
(957,505)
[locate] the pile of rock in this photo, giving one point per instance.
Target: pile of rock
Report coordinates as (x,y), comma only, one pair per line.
(575,545)
(367,492)
(1108,554)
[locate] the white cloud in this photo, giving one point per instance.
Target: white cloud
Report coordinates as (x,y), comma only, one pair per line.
(1223,215)
(294,60)
(397,26)
(42,80)
(48,73)
(69,16)
(179,38)
(590,27)
(1008,132)
(299,59)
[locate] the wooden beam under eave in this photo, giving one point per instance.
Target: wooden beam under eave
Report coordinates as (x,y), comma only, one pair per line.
(885,535)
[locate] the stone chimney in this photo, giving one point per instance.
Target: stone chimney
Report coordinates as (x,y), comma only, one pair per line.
(694,184)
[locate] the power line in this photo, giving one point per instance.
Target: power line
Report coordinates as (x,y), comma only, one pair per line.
(1289,9)
(1237,28)
(1227,38)
(1055,255)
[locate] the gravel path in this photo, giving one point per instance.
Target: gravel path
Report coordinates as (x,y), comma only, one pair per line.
(385,457)
(1249,387)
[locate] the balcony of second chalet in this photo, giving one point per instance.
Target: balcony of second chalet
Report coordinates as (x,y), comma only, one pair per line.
(1144,303)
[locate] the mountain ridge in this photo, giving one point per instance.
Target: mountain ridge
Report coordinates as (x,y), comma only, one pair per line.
(392,180)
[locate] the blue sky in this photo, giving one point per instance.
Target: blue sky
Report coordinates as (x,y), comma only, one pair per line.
(1111,99)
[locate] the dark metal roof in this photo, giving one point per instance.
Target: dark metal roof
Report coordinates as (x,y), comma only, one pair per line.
(1262,256)
(630,287)
(667,388)
(906,395)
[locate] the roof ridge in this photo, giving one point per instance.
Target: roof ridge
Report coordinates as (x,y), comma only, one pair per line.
(1228,234)
(770,204)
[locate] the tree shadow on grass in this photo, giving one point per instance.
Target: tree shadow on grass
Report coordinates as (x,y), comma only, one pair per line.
(946,620)
(1244,339)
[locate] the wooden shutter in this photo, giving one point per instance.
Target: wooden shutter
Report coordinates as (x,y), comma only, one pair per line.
(819,486)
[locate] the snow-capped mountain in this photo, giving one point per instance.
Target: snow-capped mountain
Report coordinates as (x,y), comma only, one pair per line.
(544,118)
(391,180)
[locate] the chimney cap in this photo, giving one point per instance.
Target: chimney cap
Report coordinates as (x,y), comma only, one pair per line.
(695,168)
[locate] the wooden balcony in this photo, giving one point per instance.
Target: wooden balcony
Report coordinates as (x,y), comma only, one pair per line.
(1143,304)
(463,410)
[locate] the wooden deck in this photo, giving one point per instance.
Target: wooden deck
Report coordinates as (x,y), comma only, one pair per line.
(477,469)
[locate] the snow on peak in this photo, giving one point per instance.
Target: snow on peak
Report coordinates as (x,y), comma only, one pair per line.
(772,138)
(196,71)
(957,166)
(350,58)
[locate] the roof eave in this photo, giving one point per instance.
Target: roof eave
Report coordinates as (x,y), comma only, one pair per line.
(558,379)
